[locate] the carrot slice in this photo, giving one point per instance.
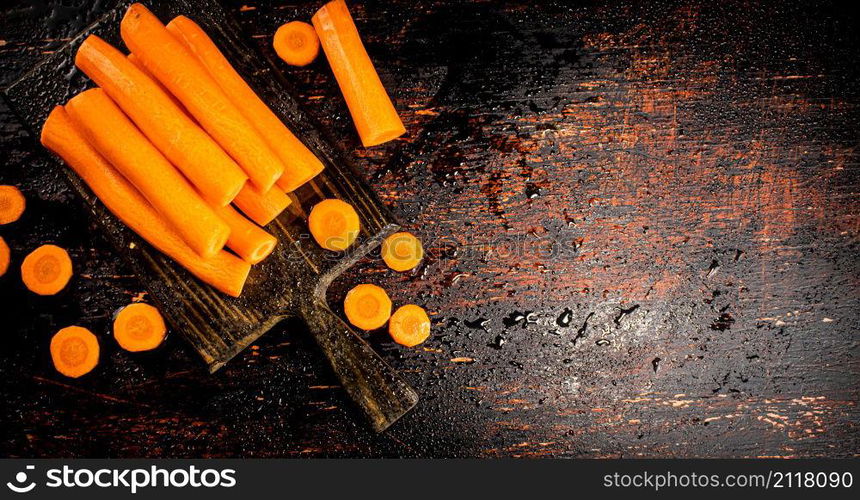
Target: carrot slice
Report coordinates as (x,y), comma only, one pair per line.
(296,43)
(262,208)
(409,325)
(224,271)
(300,164)
(217,177)
(188,80)
(74,351)
(12,204)
(46,270)
(334,224)
(247,239)
(5,255)
(121,143)
(372,111)
(367,307)
(139,327)
(402,251)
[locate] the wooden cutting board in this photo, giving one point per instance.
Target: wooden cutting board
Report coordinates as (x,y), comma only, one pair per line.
(294,279)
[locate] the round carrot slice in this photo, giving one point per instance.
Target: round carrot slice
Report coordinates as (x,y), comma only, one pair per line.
(46,270)
(296,43)
(4,256)
(367,307)
(402,251)
(409,325)
(12,204)
(334,224)
(74,351)
(139,327)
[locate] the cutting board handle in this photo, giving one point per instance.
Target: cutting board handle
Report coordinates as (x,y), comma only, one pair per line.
(377,389)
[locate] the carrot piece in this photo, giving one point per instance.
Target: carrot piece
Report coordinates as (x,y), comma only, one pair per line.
(367,307)
(300,164)
(139,327)
(188,80)
(296,43)
(223,271)
(156,113)
(402,251)
(5,255)
(121,143)
(12,204)
(74,351)
(46,270)
(334,224)
(372,111)
(247,239)
(409,325)
(262,208)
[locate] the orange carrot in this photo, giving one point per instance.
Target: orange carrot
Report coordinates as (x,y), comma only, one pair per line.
(217,177)
(74,351)
(296,43)
(46,270)
(12,204)
(367,307)
(300,164)
(247,239)
(224,271)
(262,208)
(334,224)
(409,325)
(188,80)
(139,327)
(372,111)
(122,144)
(5,256)
(402,251)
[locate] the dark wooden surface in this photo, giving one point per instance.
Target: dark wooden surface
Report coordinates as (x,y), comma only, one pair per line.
(642,222)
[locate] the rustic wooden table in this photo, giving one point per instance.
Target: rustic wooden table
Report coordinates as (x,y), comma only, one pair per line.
(643,224)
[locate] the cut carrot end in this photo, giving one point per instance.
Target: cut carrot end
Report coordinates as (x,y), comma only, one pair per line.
(402,251)
(367,307)
(139,327)
(5,256)
(409,325)
(74,351)
(334,224)
(262,208)
(46,270)
(296,43)
(12,204)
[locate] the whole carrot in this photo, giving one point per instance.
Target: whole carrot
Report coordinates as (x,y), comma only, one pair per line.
(188,80)
(113,135)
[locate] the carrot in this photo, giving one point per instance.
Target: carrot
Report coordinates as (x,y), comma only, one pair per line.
(300,164)
(334,224)
(224,271)
(409,325)
(122,144)
(296,43)
(402,251)
(367,307)
(46,270)
(156,113)
(74,351)
(247,239)
(5,255)
(12,204)
(372,111)
(139,327)
(262,208)
(188,80)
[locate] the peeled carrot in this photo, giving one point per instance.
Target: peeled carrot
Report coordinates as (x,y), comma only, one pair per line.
(372,111)
(156,113)
(224,271)
(300,164)
(409,325)
(12,204)
(296,43)
(46,270)
(139,327)
(262,208)
(247,239)
(402,251)
(122,144)
(334,224)
(367,307)
(74,351)
(188,80)
(5,255)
